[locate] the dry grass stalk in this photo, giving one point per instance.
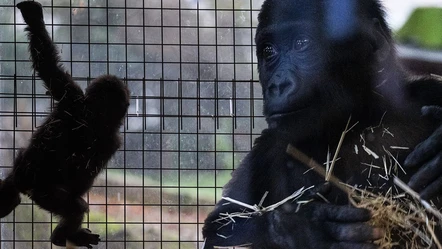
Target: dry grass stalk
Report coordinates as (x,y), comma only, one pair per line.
(295,153)
(253,210)
(341,140)
(416,196)
(256,210)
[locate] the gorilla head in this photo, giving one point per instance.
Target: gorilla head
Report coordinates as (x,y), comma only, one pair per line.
(309,73)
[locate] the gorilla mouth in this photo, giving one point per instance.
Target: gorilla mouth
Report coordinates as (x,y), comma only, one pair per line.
(279,115)
(290,108)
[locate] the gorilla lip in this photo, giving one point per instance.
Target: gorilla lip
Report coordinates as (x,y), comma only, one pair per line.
(281,115)
(278,115)
(301,106)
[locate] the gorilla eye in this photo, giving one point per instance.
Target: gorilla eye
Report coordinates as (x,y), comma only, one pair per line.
(268,52)
(302,43)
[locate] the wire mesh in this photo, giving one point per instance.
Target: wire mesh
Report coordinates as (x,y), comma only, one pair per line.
(195,110)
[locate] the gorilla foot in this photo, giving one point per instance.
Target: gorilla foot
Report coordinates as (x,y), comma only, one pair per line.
(84,237)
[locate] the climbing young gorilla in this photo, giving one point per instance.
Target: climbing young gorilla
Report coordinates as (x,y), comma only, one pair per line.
(73,144)
(320,62)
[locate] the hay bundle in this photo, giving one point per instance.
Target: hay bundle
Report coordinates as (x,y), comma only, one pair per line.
(405,219)
(409,221)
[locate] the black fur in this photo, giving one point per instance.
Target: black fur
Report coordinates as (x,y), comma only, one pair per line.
(312,83)
(73,144)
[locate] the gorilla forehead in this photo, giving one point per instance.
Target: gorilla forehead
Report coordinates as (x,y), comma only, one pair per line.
(280,11)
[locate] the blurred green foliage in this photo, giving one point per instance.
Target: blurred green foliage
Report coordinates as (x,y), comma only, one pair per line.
(423,29)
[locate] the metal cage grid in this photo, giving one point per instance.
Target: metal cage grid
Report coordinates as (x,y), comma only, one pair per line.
(195,110)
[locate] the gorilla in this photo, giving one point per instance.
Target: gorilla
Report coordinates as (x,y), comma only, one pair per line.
(72,146)
(321,62)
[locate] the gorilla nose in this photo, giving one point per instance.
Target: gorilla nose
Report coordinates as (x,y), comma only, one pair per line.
(281,88)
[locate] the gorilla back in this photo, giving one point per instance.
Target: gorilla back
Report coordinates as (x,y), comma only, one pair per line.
(313,80)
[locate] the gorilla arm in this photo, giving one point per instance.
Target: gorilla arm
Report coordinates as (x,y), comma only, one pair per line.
(44,55)
(427,156)
(321,225)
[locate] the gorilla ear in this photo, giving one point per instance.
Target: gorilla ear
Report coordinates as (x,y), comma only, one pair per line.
(381,42)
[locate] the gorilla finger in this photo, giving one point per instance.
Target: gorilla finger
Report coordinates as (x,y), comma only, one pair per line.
(339,213)
(354,232)
(318,192)
(432,111)
(425,150)
(432,190)
(345,245)
(428,173)
(323,189)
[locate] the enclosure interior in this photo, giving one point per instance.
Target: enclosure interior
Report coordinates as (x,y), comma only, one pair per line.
(195,110)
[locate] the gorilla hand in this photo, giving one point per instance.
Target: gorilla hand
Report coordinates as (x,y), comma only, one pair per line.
(324,226)
(428,156)
(32,13)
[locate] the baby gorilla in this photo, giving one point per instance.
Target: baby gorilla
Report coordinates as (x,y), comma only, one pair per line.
(73,144)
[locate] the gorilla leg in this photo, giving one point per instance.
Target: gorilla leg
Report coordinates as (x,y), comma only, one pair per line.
(9,196)
(71,209)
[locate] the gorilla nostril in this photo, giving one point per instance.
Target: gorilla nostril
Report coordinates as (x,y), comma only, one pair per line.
(273,89)
(281,88)
(285,86)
